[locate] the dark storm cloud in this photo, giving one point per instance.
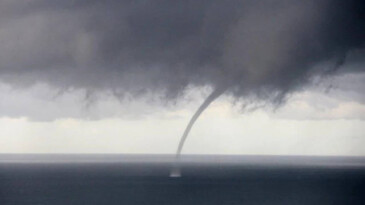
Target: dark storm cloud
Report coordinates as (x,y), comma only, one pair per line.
(264,49)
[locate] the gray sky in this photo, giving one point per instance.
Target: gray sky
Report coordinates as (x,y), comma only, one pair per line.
(125,76)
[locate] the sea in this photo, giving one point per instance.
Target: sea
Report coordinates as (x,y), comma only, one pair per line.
(67,179)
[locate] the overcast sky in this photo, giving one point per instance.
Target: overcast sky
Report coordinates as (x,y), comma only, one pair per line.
(284,77)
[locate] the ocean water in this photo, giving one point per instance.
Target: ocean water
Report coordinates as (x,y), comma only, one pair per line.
(144,179)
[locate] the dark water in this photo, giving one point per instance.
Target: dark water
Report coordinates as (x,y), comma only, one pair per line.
(247,180)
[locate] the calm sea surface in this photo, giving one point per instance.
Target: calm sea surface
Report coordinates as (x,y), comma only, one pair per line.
(144,179)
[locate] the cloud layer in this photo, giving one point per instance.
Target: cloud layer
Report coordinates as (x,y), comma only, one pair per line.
(260,49)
